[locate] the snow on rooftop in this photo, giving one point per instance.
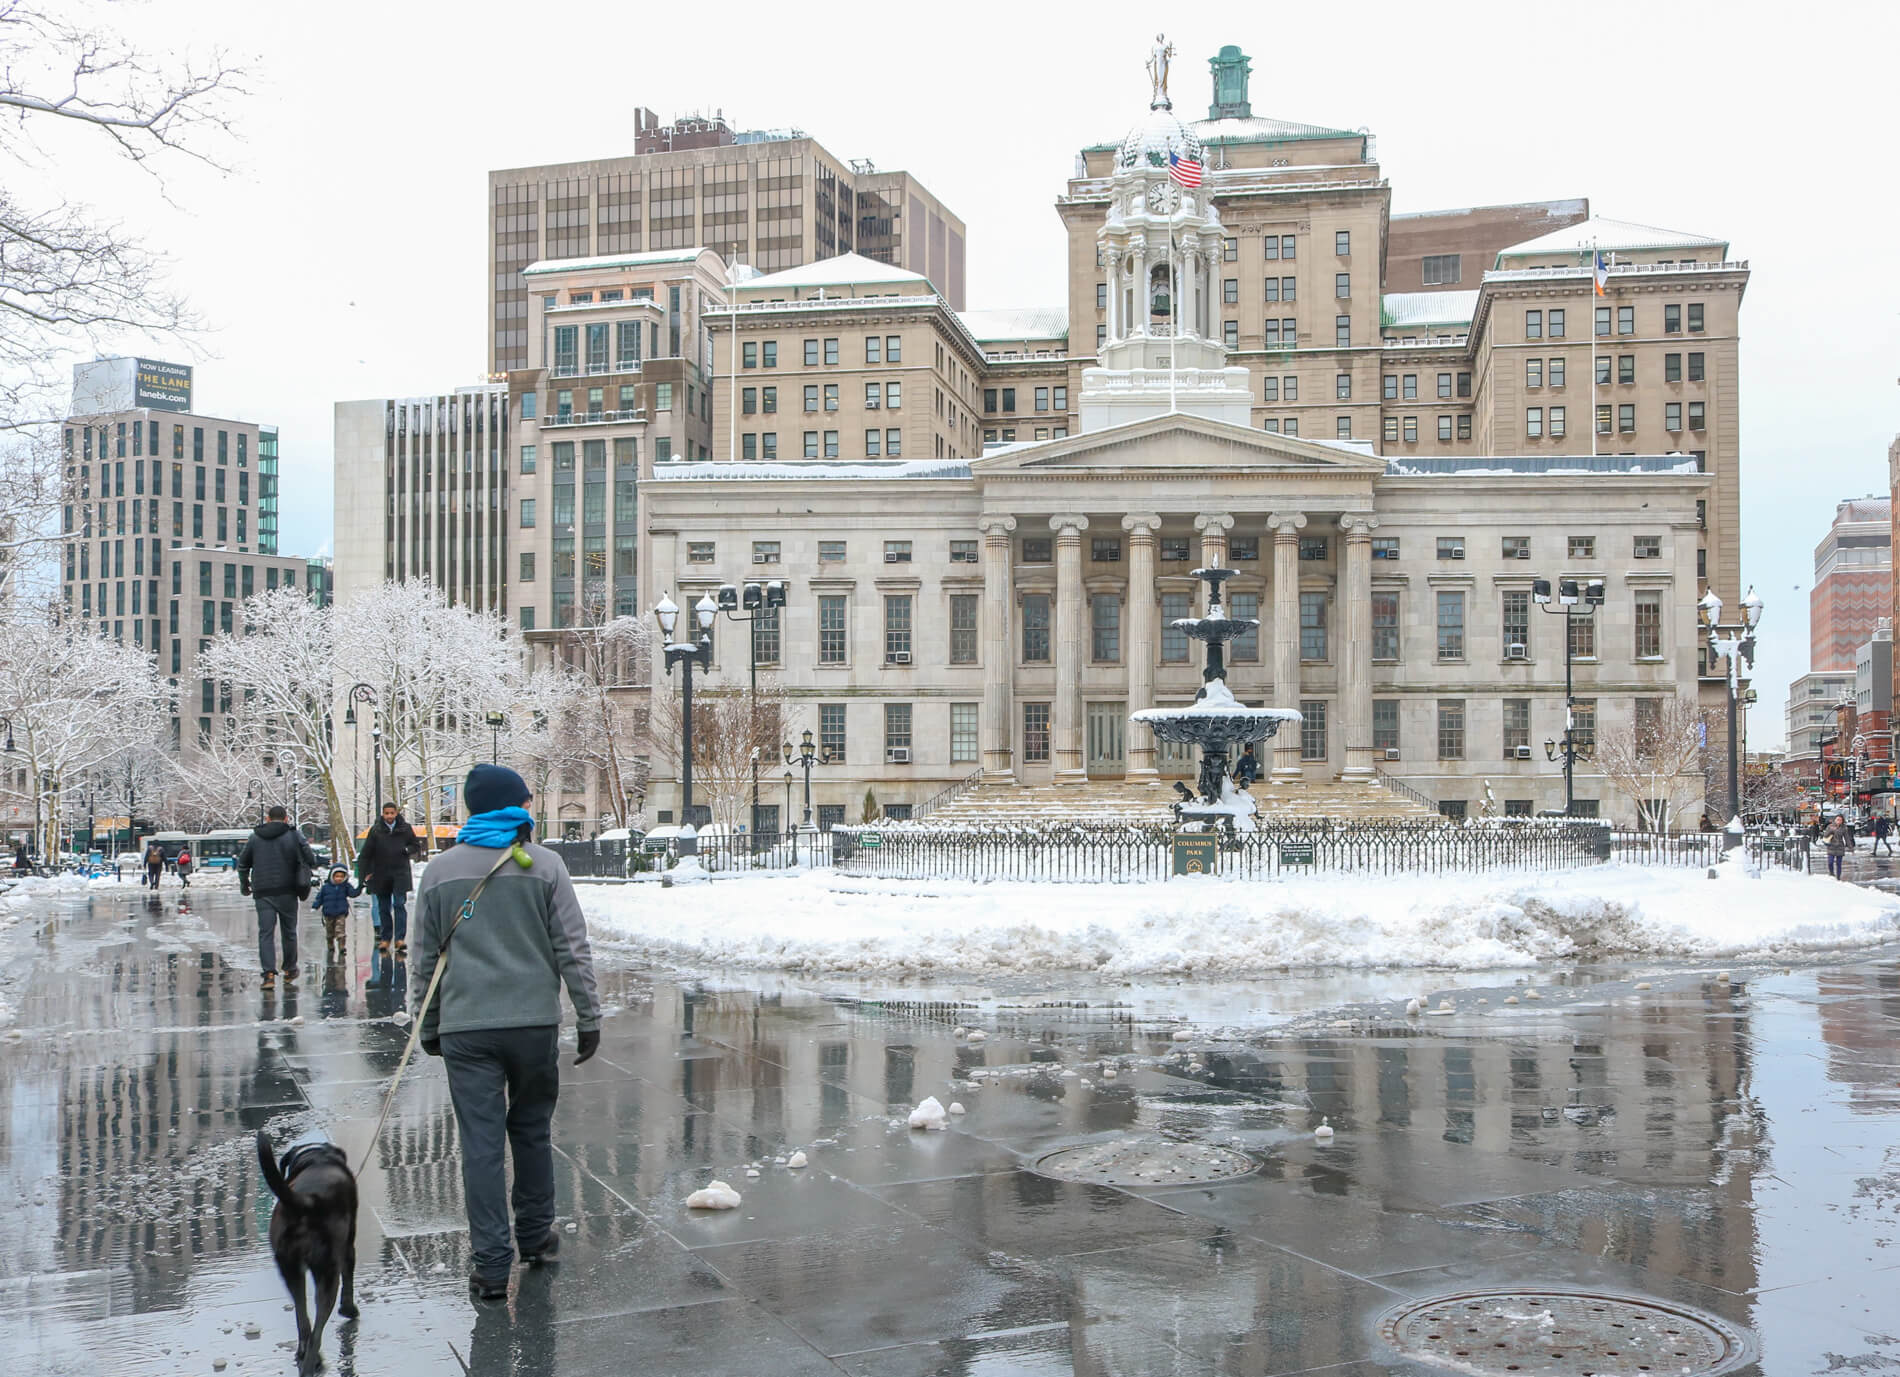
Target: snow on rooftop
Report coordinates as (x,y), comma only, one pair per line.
(612,260)
(1542,465)
(845,269)
(1428,308)
(1017,323)
(1606,235)
(870,468)
(1576,206)
(1255,128)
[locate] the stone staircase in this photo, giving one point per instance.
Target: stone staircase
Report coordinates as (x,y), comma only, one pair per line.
(1119,801)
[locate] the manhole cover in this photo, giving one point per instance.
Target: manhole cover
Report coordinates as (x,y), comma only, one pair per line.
(1562,1332)
(1144,1162)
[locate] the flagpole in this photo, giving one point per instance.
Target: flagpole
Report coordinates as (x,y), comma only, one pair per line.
(1593,348)
(1174,312)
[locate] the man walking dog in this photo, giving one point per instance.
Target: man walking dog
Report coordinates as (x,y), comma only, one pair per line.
(274,868)
(502,913)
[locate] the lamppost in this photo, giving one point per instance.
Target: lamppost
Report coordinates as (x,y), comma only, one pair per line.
(496,720)
(686,654)
(1570,596)
(365,693)
(806,756)
(788,800)
(1734,642)
(286,755)
(757,599)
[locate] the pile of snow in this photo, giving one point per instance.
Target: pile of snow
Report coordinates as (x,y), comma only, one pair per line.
(823,921)
(717,1196)
(929,1115)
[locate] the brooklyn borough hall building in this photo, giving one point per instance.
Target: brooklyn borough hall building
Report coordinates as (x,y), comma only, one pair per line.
(1391,427)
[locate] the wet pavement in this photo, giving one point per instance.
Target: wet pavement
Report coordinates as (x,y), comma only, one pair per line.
(1728,1146)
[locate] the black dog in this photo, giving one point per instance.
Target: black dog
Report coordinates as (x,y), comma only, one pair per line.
(313,1230)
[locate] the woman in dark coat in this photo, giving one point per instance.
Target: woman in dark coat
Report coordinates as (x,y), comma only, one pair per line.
(383,869)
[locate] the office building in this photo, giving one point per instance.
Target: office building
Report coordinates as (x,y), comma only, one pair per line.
(1853,582)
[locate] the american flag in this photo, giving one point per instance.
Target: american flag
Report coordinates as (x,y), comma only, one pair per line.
(1186,171)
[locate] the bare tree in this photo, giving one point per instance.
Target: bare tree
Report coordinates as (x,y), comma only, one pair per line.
(1768,789)
(69,279)
(546,738)
(730,733)
(612,657)
(1657,765)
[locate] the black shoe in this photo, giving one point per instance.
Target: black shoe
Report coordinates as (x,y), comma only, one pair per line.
(546,1251)
(488,1288)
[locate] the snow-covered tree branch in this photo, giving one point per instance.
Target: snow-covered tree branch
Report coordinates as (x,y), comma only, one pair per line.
(1656,764)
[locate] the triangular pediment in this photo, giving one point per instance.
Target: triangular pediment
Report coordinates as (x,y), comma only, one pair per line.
(1176,442)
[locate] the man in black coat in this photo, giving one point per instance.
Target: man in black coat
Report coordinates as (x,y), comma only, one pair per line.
(274,868)
(382,868)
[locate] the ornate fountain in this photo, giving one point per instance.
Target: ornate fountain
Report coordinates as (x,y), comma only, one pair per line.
(1216,721)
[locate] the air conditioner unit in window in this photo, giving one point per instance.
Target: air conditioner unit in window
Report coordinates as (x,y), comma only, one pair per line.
(1516,652)
(890,557)
(1391,752)
(1457,552)
(1520,752)
(898,657)
(898,755)
(1522,552)
(762,559)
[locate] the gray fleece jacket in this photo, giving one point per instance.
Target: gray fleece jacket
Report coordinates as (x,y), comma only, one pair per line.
(507,963)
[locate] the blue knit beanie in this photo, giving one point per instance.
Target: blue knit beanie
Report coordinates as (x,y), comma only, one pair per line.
(491,787)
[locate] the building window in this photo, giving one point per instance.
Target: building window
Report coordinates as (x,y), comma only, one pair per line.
(1626,418)
(1451,625)
(831,396)
(1385,724)
(1342,387)
(1625,320)
(526,508)
(1342,427)
(963,552)
(700,552)
(1035,733)
(1174,641)
(1533,325)
(1464,424)
(1516,624)
(1313,729)
(811,397)
(1105,628)
(1441,269)
(1342,285)
(1313,549)
(1229,250)
(1517,726)
(1672,416)
(1556,423)
(1411,430)
(1556,373)
(896,729)
(1230,290)
(1385,626)
(1230,333)
(833,637)
(1648,547)
(963,734)
(1695,368)
(1240,549)
(1696,413)
(1583,720)
(894,443)
(1273,289)
(831,737)
(963,614)
(1038,549)
(1312,626)
(1411,387)
(1105,549)
(1583,637)
(1451,729)
(1444,385)
(765,551)
(766,637)
(1695,317)
(1603,320)
(1603,419)
(1534,423)
(1672,368)
(1342,243)
(1036,628)
(1533,372)
(1174,549)
(1626,368)
(1555,321)
(1672,320)
(893,348)
(831,552)
(1390,429)
(897,552)
(1390,388)
(1649,626)
(811,353)
(1451,547)
(1603,370)
(1290,392)
(1245,607)
(831,444)
(748,353)
(1385,547)
(1342,332)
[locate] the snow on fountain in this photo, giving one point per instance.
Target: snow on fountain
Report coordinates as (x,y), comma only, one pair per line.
(1216,721)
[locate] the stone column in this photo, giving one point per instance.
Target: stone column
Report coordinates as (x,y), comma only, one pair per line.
(1187,318)
(1286,636)
(1213,527)
(1355,687)
(1070,768)
(1143,314)
(998,661)
(1143,616)
(1113,261)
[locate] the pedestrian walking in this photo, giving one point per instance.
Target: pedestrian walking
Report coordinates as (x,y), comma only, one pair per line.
(503,915)
(1883,833)
(22,863)
(274,868)
(1247,768)
(1836,839)
(154,864)
(383,869)
(183,866)
(333,902)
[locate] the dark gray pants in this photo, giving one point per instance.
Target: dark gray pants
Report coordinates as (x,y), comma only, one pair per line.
(504,1082)
(275,912)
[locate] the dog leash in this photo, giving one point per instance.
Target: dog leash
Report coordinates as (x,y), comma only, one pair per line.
(422,1013)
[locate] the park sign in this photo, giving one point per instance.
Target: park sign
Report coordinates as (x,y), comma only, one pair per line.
(870,841)
(1195,853)
(1296,853)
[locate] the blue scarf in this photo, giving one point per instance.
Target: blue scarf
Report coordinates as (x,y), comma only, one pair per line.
(496,829)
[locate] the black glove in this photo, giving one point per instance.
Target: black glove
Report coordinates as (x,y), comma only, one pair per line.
(589,1044)
(244,885)
(433,1046)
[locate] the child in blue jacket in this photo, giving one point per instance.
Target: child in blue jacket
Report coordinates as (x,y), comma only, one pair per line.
(333,902)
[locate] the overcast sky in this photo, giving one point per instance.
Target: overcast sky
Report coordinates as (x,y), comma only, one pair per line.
(344,257)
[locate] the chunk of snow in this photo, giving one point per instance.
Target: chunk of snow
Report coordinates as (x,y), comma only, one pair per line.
(400,1017)
(928,1115)
(1532,994)
(1184,1035)
(1108,1073)
(1642,984)
(717,1196)
(797,1160)
(752,1173)
(1325,1130)
(1510,999)
(978,1035)
(1412,1008)
(956,1107)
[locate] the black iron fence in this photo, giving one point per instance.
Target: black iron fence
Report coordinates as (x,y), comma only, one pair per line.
(718,852)
(1706,848)
(1109,852)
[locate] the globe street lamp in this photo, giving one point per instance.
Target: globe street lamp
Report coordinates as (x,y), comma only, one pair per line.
(1734,642)
(687,653)
(806,756)
(364,693)
(1570,596)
